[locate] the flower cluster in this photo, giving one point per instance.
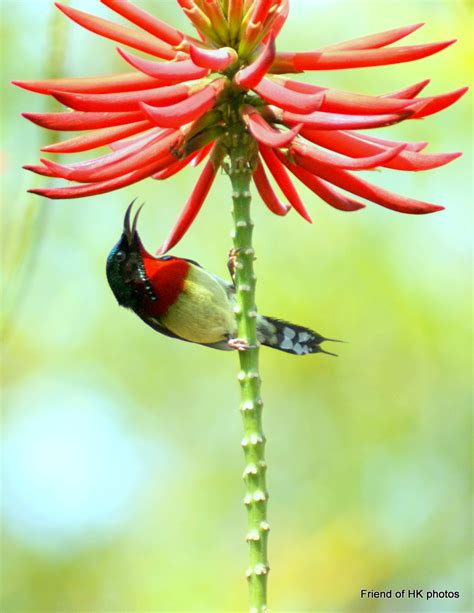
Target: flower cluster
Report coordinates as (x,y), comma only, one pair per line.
(167,114)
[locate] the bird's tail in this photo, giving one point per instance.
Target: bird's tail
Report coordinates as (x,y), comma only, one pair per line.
(290,337)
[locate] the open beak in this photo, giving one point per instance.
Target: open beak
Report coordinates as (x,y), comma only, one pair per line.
(128,231)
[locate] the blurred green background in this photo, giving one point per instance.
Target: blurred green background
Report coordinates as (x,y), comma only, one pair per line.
(122,463)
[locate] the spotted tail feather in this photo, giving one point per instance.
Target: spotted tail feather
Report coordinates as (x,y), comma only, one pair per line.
(290,338)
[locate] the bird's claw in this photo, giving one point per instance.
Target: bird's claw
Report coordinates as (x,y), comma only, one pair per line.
(241,344)
(231,262)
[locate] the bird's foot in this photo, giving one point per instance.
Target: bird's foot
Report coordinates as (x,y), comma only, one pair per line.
(241,344)
(231,262)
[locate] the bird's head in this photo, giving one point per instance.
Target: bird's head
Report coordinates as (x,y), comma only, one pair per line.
(124,269)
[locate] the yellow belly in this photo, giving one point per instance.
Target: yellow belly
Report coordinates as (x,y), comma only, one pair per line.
(203,312)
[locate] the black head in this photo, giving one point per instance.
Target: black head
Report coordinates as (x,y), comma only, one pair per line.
(124,264)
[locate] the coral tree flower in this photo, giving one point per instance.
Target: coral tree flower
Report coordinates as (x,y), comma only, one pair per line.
(172,109)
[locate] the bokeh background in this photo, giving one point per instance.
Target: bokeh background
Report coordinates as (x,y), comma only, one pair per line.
(121,456)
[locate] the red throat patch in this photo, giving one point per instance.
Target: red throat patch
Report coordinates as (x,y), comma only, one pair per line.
(167,279)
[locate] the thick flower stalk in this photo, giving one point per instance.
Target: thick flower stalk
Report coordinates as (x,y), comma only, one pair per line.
(221,96)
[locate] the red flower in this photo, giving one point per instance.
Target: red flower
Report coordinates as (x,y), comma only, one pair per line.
(165,115)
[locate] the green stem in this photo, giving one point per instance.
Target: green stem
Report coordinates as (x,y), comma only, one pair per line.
(240,171)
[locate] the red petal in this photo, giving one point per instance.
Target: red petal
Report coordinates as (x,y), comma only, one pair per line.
(435,104)
(260,11)
(173,169)
(131,81)
(93,189)
(289,100)
(373,41)
(120,34)
(213,59)
(281,17)
(192,207)
(408,92)
(126,101)
(322,189)
(134,140)
(251,75)
(314,60)
(311,158)
(146,21)
(284,182)
(347,144)
(413,146)
(168,72)
(201,154)
(142,159)
(266,192)
(383,197)
(263,132)
(179,114)
(39,170)
(97,138)
(333,121)
(81,121)
(337,101)
(113,164)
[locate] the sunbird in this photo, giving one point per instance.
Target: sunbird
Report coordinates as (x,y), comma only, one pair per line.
(180,299)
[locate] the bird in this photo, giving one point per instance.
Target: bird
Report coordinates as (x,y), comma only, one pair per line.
(177,297)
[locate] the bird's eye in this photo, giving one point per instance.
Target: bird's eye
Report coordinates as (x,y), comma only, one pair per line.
(120,256)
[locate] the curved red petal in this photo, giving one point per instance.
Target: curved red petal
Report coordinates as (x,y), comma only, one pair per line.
(310,158)
(93,170)
(120,34)
(315,60)
(39,170)
(353,145)
(334,121)
(338,101)
(124,101)
(213,59)
(287,99)
(96,139)
(93,189)
(374,41)
(65,122)
(130,81)
(168,72)
(173,169)
(266,192)
(145,157)
(263,132)
(251,75)
(179,114)
(409,146)
(202,154)
(390,200)
(435,104)
(284,182)
(408,92)
(146,21)
(322,189)
(282,15)
(260,10)
(138,139)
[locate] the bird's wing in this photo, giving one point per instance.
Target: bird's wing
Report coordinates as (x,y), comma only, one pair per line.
(157,325)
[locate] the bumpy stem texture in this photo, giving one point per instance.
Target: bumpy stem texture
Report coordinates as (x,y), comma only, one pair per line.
(253,443)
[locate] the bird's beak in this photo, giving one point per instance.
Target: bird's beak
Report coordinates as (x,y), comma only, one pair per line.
(126,223)
(135,219)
